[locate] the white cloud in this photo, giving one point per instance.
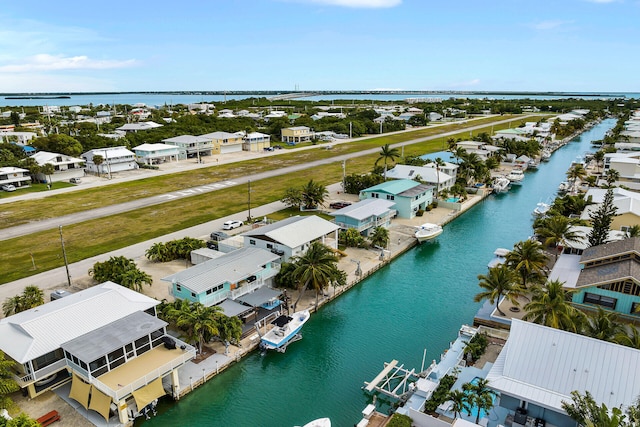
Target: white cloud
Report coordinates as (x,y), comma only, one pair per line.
(549,25)
(368,4)
(46,62)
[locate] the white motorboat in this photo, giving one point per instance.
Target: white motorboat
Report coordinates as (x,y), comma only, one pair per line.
(428,231)
(564,187)
(320,422)
(501,184)
(545,155)
(541,209)
(285,329)
(516,176)
(500,257)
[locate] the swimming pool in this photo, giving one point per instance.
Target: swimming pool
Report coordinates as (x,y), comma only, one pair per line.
(453,199)
(474,409)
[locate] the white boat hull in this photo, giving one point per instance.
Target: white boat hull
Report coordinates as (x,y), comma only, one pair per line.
(279,336)
(320,422)
(428,231)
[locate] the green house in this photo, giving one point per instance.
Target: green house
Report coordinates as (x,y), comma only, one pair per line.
(409,196)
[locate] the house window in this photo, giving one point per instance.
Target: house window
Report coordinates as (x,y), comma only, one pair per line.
(252,242)
(269,246)
(390,197)
(193,294)
(178,288)
(635,308)
(602,300)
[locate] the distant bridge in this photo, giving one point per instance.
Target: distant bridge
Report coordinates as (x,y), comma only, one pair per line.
(293,95)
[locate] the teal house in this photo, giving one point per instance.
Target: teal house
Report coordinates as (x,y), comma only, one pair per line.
(230,276)
(610,277)
(409,196)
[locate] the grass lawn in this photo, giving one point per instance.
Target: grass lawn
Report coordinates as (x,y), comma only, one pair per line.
(95,237)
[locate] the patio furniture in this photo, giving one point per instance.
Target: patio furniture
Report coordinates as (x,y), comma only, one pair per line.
(49,418)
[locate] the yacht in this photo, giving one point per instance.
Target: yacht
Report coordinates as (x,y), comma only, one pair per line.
(541,209)
(500,257)
(564,187)
(285,329)
(516,176)
(545,155)
(320,422)
(501,184)
(428,231)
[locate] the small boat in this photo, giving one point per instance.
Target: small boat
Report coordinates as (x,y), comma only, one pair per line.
(545,155)
(541,209)
(564,187)
(428,231)
(534,164)
(320,422)
(516,176)
(501,184)
(500,257)
(285,330)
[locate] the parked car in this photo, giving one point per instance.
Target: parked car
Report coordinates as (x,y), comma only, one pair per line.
(230,225)
(277,147)
(339,205)
(75,180)
(219,235)
(268,148)
(9,187)
(212,244)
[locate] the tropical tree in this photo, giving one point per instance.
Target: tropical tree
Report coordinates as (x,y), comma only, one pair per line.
(633,231)
(611,176)
(550,306)
(197,320)
(48,169)
(351,238)
(598,156)
(601,219)
(529,260)
(22,420)
(97,160)
(229,330)
(499,281)
(629,337)
(379,237)
(7,383)
(438,163)
(603,325)
(313,194)
(316,268)
(575,173)
(586,412)
(292,197)
(459,402)
(557,231)
(157,252)
(120,270)
(32,296)
(480,396)
(387,154)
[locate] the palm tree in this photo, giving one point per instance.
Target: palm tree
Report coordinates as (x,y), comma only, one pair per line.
(133,278)
(598,156)
(629,338)
(611,176)
(387,153)
(230,330)
(313,194)
(7,383)
(157,252)
(529,260)
(316,268)
(557,231)
(197,320)
(575,173)
(48,169)
(438,163)
(32,296)
(379,237)
(549,306)
(480,396)
(633,231)
(12,305)
(459,402)
(500,280)
(603,325)
(97,160)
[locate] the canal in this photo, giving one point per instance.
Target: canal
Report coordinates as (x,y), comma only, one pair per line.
(418,302)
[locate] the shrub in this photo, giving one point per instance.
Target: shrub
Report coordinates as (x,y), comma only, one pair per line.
(476,346)
(420,212)
(440,394)
(399,420)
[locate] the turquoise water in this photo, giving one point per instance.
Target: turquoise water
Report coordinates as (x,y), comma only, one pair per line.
(474,409)
(417,302)
(453,199)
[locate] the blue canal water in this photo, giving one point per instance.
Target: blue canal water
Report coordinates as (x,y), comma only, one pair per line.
(417,302)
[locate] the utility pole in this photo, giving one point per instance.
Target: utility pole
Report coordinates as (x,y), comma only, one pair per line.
(64,255)
(249,200)
(344,174)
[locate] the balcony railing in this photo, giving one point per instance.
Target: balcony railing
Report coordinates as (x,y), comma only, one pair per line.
(40,373)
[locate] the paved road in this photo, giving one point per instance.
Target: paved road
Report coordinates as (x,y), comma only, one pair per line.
(33,227)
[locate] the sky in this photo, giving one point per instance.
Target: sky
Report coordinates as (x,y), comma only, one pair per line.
(306,45)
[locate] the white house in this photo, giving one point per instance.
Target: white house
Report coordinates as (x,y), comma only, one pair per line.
(135,127)
(156,153)
(292,236)
(115,159)
(191,146)
(256,141)
(65,167)
(17,177)
(428,175)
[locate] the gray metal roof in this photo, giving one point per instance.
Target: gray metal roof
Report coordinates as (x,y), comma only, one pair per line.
(232,267)
(295,231)
(186,139)
(365,208)
(418,189)
(38,331)
(231,308)
(543,366)
(104,340)
(260,296)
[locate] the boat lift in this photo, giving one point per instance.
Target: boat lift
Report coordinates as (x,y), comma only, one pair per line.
(393,381)
(261,325)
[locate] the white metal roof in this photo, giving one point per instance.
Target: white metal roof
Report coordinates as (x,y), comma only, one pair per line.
(186,139)
(38,331)
(44,157)
(219,135)
(231,267)
(155,147)
(543,366)
(427,174)
(11,169)
(295,231)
